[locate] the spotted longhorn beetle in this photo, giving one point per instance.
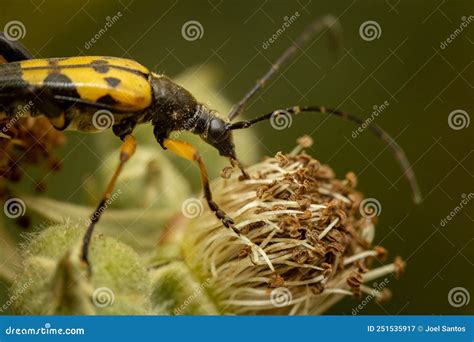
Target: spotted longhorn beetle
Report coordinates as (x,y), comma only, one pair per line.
(68,91)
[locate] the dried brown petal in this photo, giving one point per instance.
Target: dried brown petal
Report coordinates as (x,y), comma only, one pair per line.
(245,251)
(282,159)
(351,179)
(300,255)
(381,252)
(355,280)
(384,296)
(400,267)
(276,280)
(305,141)
(327,269)
(226,172)
(306,215)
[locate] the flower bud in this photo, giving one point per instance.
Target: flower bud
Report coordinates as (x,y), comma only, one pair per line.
(54,279)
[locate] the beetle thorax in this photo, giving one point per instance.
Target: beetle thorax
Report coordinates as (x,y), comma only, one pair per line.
(173,105)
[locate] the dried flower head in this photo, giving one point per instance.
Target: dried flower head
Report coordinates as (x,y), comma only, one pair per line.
(27,141)
(303,244)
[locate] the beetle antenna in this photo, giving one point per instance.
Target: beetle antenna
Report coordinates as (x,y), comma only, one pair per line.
(375,129)
(327,22)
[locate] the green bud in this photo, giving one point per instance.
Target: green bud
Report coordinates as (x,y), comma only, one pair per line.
(177,292)
(54,280)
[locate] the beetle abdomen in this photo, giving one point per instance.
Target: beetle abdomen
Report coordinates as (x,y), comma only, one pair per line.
(64,88)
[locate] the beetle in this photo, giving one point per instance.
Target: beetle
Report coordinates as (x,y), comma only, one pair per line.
(71,91)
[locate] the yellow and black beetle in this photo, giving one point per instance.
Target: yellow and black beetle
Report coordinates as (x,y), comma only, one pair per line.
(70,91)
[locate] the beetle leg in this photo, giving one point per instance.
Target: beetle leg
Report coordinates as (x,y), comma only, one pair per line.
(124,128)
(161,135)
(126,152)
(235,162)
(12,51)
(187,151)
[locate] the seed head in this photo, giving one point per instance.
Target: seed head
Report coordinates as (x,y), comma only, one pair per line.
(303,243)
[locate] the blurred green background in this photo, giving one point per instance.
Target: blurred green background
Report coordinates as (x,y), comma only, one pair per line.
(422,82)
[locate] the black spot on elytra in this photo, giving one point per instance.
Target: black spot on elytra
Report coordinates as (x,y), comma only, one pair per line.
(107,99)
(100,66)
(55,85)
(58,80)
(112,81)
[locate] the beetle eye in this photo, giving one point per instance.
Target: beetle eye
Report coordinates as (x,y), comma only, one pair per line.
(218,130)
